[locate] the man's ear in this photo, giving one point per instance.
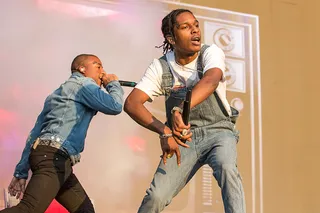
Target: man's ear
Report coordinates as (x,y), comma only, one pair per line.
(82,69)
(170,39)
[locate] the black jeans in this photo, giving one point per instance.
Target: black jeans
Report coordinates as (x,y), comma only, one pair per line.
(52,178)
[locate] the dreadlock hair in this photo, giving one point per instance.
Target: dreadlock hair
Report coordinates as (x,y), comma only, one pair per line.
(79,61)
(168,23)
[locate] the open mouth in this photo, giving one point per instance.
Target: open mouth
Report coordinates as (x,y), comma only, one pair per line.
(196,40)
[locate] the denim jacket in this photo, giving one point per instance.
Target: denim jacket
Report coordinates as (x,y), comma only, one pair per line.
(67,113)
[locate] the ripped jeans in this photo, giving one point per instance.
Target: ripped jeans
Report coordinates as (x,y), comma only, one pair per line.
(213,146)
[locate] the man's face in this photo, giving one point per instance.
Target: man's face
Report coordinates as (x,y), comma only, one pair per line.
(187,34)
(93,69)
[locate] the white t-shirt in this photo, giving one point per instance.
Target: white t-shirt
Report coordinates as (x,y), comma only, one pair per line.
(186,75)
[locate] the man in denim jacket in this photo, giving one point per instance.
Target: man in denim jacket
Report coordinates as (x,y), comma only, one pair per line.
(211,135)
(57,139)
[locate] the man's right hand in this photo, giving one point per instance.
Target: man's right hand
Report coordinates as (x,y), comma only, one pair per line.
(178,127)
(170,146)
(16,187)
(107,78)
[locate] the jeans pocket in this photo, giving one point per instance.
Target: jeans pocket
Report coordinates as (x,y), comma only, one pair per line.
(234,115)
(236,134)
(36,159)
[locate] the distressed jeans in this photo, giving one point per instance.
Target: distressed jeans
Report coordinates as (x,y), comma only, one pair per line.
(212,146)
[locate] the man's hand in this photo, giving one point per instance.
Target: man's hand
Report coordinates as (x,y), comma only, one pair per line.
(169,147)
(16,187)
(107,78)
(179,129)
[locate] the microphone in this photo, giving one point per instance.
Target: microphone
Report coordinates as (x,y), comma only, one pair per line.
(186,108)
(127,83)
(186,111)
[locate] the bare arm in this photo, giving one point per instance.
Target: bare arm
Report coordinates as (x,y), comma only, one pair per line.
(134,107)
(206,86)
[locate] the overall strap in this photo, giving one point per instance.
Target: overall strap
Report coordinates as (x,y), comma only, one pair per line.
(167,77)
(200,68)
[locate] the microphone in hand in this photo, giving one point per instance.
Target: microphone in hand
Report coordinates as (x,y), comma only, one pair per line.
(127,83)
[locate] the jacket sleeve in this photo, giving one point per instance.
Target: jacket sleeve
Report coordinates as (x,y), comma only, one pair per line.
(108,102)
(22,168)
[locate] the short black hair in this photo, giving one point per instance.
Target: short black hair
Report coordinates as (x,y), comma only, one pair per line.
(167,26)
(79,61)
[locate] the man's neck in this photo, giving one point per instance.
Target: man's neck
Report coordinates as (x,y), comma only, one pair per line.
(184,59)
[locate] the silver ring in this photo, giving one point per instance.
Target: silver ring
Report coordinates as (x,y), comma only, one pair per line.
(184,132)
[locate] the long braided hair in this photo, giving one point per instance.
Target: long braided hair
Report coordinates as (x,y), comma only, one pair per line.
(168,23)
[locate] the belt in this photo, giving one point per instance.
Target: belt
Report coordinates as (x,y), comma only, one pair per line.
(74,158)
(51,143)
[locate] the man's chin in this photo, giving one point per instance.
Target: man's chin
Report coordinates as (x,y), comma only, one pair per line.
(196,48)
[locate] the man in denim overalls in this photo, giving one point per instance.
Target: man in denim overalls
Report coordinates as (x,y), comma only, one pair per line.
(210,136)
